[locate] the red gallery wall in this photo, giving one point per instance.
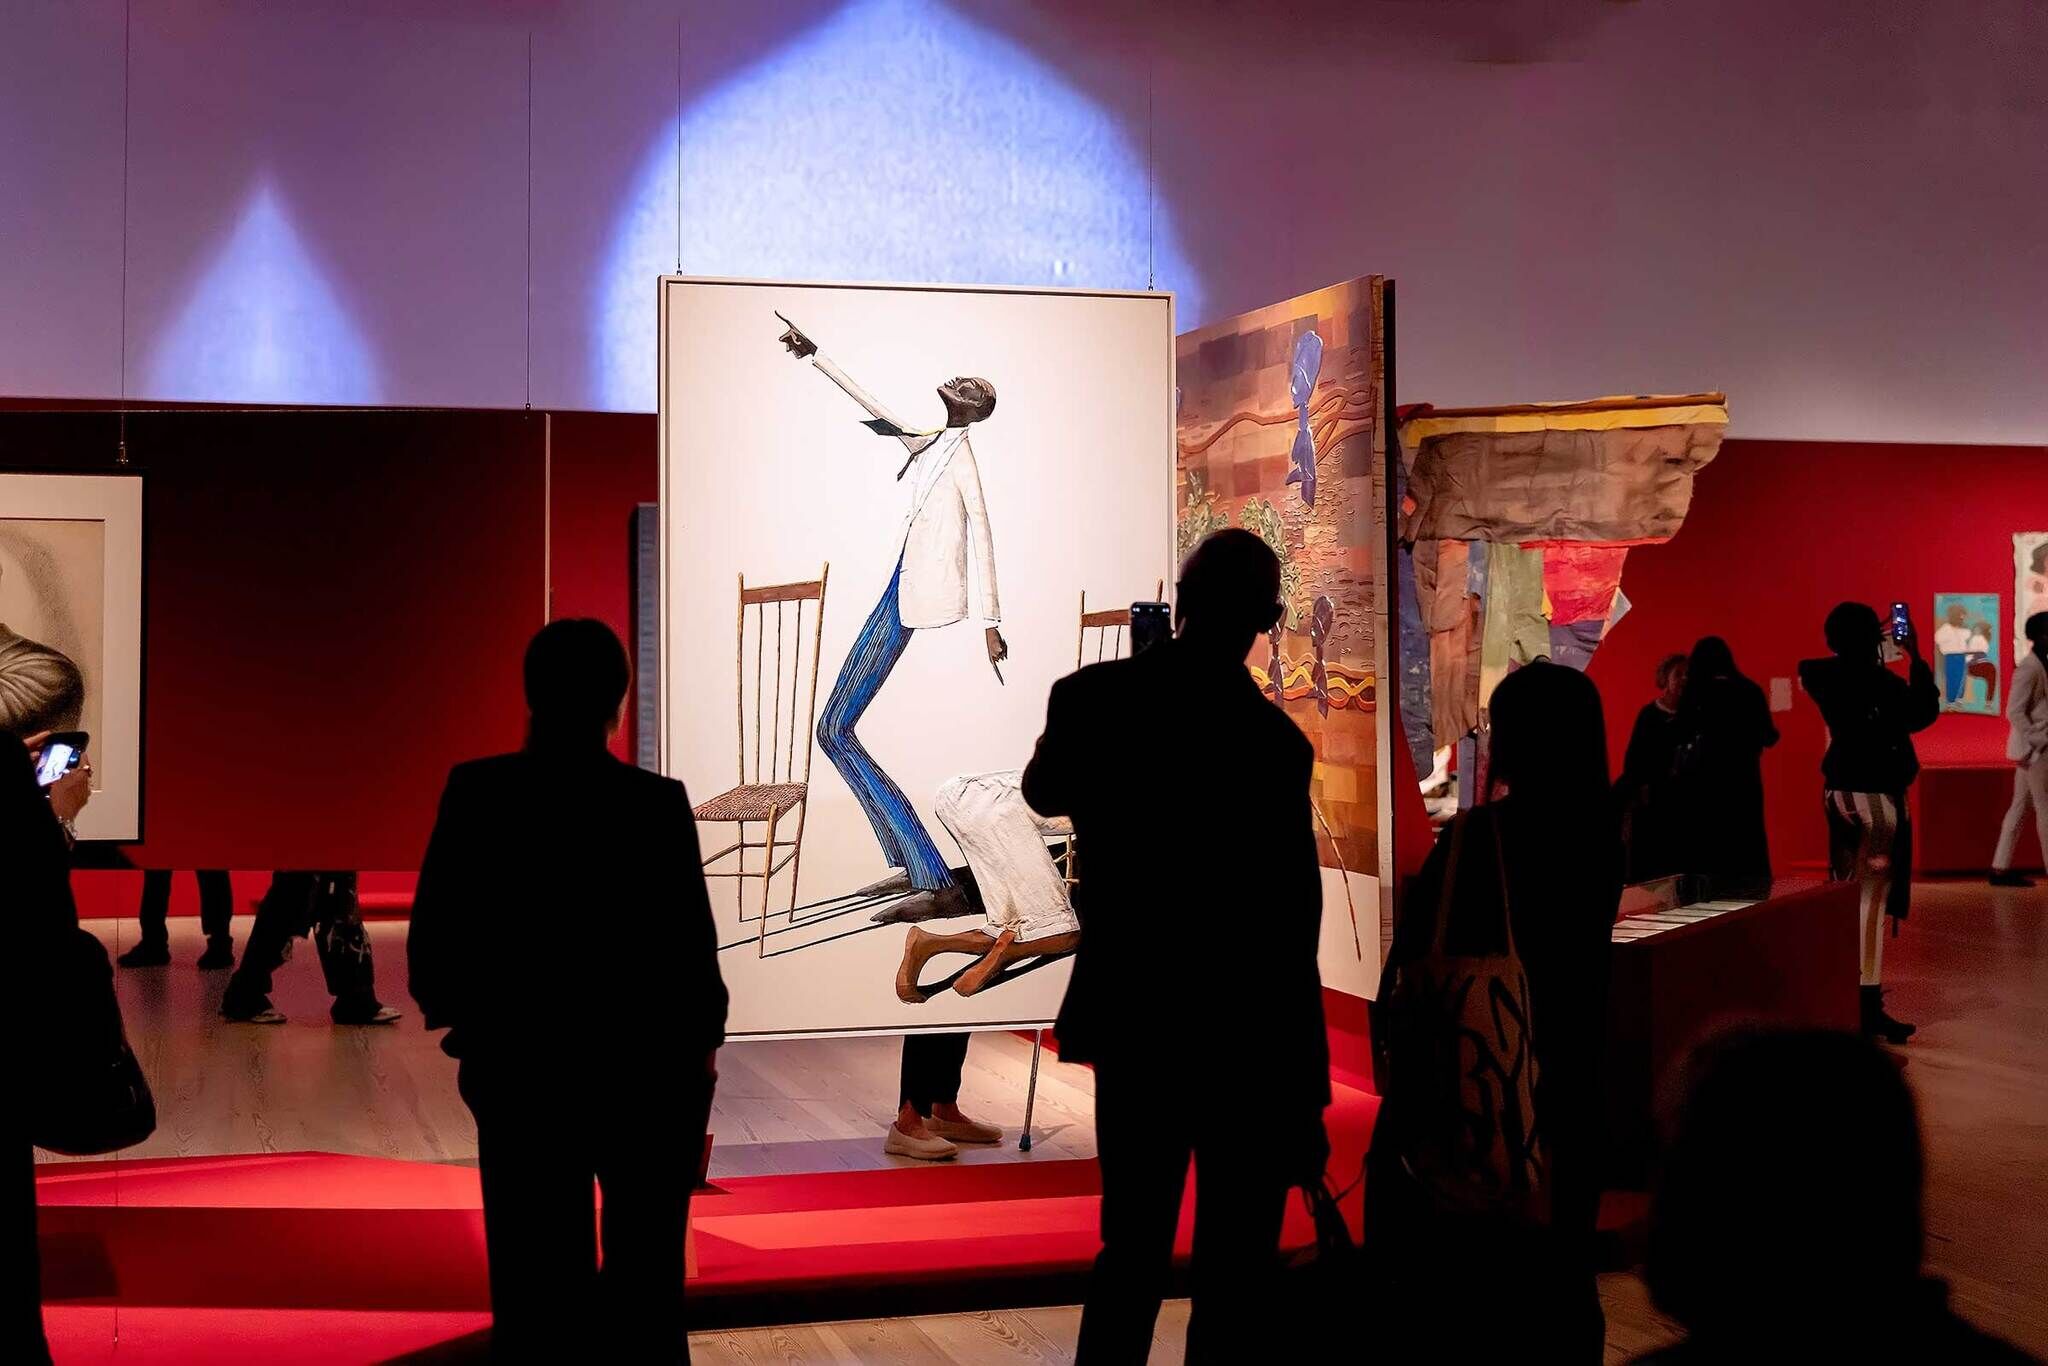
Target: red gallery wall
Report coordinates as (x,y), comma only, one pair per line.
(335,605)
(337,600)
(1779,532)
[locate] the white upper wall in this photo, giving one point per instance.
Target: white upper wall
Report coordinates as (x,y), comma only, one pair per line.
(1839,214)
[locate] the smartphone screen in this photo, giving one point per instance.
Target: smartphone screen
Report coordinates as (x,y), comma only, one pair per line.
(1902,625)
(58,760)
(1151,622)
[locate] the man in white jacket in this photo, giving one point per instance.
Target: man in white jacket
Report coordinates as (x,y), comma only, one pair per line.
(946,521)
(2026,707)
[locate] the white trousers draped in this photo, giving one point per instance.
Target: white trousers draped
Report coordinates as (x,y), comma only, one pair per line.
(1003,840)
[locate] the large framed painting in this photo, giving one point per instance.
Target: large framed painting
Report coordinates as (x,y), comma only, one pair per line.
(892,517)
(71,628)
(1281,431)
(2030,584)
(1966,651)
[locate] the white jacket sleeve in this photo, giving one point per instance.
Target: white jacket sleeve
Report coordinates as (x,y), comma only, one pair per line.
(912,441)
(980,544)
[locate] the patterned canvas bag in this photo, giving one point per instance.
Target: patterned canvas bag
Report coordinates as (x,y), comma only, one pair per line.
(1453,1038)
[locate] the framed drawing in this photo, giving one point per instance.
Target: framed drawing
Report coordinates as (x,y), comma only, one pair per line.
(71,628)
(2030,584)
(1966,652)
(881,505)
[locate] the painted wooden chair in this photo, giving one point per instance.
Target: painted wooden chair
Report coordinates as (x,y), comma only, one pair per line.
(774,733)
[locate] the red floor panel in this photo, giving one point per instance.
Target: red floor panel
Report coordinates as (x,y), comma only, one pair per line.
(230,1259)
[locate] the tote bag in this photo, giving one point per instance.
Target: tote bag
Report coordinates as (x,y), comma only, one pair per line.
(89,1094)
(1452,1036)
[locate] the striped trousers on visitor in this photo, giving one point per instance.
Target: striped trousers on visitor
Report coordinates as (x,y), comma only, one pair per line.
(1870,843)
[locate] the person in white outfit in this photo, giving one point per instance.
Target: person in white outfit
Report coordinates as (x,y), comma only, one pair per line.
(947,519)
(1025,904)
(2026,707)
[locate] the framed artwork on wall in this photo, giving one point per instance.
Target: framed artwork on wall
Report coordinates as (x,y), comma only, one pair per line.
(2030,583)
(1966,652)
(1280,430)
(71,628)
(884,512)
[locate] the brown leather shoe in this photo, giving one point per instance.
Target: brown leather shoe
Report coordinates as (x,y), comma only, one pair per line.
(920,946)
(1010,950)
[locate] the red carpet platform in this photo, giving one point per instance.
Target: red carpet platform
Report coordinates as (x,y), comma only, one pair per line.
(321,1257)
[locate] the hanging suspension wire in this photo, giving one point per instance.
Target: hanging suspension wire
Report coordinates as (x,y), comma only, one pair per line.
(678,140)
(121,442)
(529,219)
(1151,178)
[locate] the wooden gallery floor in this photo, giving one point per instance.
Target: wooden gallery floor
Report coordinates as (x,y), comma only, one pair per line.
(1971,969)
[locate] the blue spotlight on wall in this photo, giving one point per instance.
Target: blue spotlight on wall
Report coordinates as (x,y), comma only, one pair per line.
(263,325)
(894,141)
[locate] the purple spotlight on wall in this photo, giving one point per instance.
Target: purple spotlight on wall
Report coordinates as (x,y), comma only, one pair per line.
(895,140)
(263,325)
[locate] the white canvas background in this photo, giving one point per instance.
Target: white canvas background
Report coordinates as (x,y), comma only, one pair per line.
(767,471)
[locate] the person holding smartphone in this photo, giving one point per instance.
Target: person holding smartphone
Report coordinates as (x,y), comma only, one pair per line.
(64,772)
(1872,715)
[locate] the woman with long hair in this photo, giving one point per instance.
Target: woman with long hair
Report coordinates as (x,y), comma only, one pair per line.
(35,858)
(1724,727)
(1548,843)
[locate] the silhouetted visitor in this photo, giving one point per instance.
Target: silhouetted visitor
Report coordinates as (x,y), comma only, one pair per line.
(1724,727)
(561,934)
(1872,715)
(35,859)
(1484,1186)
(2026,708)
(929,1121)
(323,905)
(1649,820)
(1787,1221)
(216,909)
(1200,898)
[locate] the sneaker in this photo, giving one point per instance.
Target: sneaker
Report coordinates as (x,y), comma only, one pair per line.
(2006,877)
(382,1015)
(263,1015)
(926,1149)
(964,1130)
(147,954)
(220,953)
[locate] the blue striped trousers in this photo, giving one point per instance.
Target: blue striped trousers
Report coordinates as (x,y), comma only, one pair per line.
(905,842)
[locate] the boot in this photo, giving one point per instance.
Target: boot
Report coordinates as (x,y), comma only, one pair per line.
(1879,1025)
(147,953)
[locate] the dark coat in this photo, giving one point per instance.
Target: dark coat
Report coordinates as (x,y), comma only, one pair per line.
(1872,715)
(561,909)
(1200,895)
(1726,725)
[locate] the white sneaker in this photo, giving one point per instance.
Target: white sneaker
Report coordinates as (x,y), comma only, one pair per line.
(900,1144)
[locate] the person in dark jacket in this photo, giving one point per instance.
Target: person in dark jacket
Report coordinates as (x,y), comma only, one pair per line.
(37,859)
(1481,1285)
(1787,1224)
(1724,726)
(1199,890)
(562,935)
(1872,715)
(1650,826)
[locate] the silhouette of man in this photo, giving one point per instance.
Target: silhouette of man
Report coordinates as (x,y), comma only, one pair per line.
(562,935)
(927,591)
(1170,936)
